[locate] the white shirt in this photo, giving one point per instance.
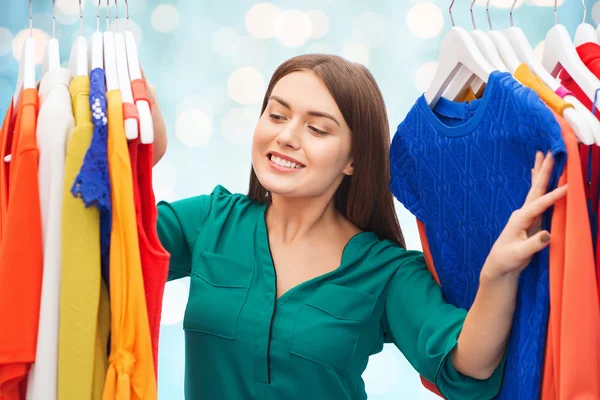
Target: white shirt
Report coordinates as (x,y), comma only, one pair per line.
(54,125)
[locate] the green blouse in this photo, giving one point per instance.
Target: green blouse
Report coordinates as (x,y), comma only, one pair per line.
(242,342)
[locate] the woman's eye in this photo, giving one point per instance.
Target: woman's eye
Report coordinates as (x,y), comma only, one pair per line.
(276,117)
(318,131)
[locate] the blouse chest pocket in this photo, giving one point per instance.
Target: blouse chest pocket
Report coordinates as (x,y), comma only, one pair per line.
(218,289)
(329,324)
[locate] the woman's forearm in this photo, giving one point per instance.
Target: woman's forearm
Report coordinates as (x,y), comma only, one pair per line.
(484,337)
(160,129)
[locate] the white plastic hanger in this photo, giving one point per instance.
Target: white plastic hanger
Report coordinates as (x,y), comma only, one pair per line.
(135,72)
(457,49)
(585,32)
(486,45)
(524,51)
(26,78)
(97,50)
(110,62)
(131,124)
(505,49)
(52,53)
(559,52)
(79,55)
(487,48)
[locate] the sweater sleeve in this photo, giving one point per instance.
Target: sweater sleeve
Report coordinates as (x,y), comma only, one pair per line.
(425,328)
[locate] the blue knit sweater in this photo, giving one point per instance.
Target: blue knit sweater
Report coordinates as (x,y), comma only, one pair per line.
(462,169)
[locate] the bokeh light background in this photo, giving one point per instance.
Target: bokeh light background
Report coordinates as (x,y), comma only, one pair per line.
(210,62)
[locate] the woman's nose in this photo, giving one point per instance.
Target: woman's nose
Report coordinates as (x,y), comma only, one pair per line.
(290,136)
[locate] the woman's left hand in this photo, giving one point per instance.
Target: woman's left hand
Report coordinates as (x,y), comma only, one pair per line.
(522,238)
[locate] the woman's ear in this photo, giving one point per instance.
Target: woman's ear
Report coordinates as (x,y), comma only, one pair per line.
(349,170)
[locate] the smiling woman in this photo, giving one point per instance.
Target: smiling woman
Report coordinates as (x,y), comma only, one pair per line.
(295,285)
(311,115)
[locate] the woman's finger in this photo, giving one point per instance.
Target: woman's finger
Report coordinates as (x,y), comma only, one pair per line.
(528,248)
(527,215)
(539,184)
(539,159)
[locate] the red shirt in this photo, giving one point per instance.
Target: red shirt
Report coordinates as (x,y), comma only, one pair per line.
(155,259)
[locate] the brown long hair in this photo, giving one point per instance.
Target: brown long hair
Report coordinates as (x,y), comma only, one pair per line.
(364,198)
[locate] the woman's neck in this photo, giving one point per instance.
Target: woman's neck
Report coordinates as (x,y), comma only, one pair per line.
(296,218)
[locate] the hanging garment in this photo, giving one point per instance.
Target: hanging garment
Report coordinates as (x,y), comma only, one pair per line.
(5,142)
(572,362)
(556,103)
(314,340)
(20,288)
(467,96)
(93,182)
(55,123)
(130,366)
(84,321)
(462,169)
(155,259)
(590,155)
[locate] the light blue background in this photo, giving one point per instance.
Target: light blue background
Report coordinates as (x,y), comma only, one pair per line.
(191,50)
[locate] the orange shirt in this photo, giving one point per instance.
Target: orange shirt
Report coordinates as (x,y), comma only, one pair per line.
(5,141)
(21,247)
(572,363)
(131,369)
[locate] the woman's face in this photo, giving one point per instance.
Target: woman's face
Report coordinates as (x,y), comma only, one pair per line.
(301,145)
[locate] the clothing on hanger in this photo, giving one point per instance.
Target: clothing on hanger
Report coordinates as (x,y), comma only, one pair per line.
(574,321)
(83,311)
(154,258)
(20,288)
(130,370)
(54,123)
(456,139)
(92,184)
(590,155)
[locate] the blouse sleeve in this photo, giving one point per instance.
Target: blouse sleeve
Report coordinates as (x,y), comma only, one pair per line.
(425,328)
(178,226)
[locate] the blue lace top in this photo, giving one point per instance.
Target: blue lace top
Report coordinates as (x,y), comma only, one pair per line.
(462,169)
(92,184)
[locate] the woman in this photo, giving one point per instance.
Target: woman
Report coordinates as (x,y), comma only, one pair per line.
(296,284)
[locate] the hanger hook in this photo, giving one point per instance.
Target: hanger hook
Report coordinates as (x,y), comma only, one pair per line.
(584,11)
(487,11)
(30,20)
(80,19)
(555,13)
(98,17)
(127,13)
(511,13)
(53,19)
(449,11)
(117,23)
(472,16)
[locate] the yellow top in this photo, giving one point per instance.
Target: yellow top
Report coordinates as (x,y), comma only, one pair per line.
(468,95)
(84,317)
(131,366)
(524,75)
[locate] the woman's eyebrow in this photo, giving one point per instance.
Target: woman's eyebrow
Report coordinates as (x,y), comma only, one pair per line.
(312,113)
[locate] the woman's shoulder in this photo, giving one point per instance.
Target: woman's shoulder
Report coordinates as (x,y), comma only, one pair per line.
(220,203)
(385,253)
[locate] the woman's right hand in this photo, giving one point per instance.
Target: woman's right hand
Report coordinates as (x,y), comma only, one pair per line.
(160,129)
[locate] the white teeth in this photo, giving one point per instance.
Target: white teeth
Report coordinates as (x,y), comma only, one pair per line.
(284,163)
